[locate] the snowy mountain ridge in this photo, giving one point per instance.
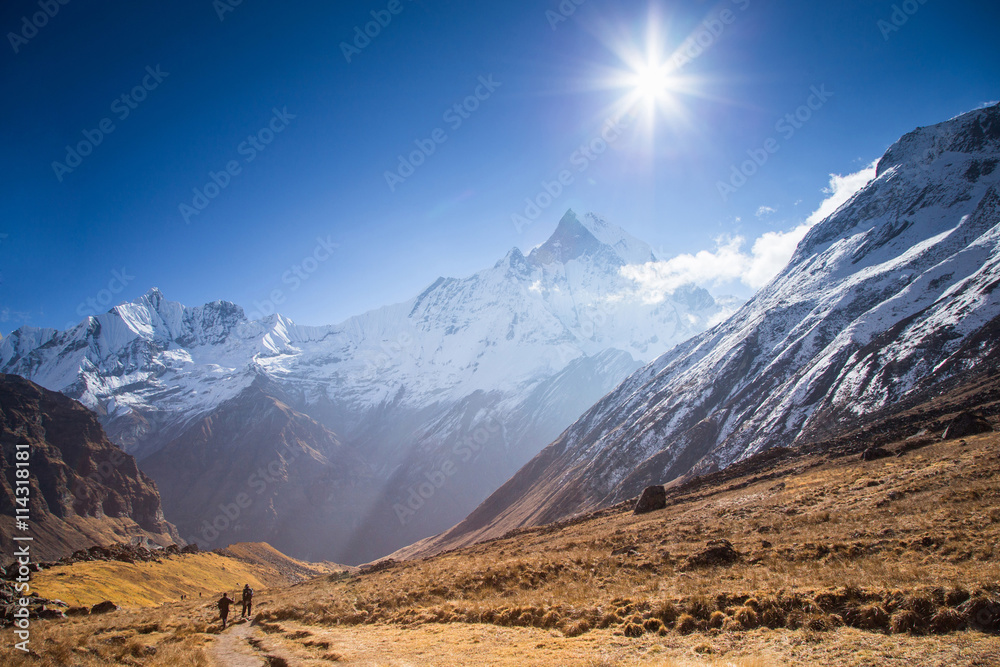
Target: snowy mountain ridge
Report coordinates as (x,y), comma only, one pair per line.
(528,343)
(884,300)
(534,314)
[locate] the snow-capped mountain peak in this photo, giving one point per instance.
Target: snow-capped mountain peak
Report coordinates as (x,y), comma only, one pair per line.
(591,236)
(515,323)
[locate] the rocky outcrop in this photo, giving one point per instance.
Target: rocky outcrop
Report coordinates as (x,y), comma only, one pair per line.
(38,607)
(82,488)
(104,607)
(716,552)
(966,424)
(874,454)
(653,498)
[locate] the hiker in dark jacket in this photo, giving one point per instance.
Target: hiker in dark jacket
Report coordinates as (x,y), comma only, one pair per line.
(223,605)
(247,601)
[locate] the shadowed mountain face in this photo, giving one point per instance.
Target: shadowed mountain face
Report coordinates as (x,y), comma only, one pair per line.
(886,299)
(84,490)
(257,468)
(440,398)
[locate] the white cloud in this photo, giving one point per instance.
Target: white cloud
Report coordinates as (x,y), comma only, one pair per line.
(765,210)
(841,189)
(657,279)
(769,253)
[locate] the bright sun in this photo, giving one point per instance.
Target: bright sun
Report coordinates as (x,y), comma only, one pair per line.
(651,82)
(648,79)
(649,76)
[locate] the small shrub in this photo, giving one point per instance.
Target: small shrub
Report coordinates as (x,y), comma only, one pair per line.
(819,622)
(716,620)
(652,625)
(506,617)
(577,628)
(550,619)
(771,615)
(686,624)
(633,630)
(700,607)
(870,617)
(796,619)
(730,624)
(981,613)
(946,620)
(906,621)
(746,617)
(955,597)
(609,619)
(921,605)
(703,649)
(666,611)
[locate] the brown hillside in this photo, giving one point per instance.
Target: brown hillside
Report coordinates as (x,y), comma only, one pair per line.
(257,470)
(84,489)
(169,577)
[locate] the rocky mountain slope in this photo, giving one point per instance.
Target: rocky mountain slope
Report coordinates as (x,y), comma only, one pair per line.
(444,396)
(889,297)
(257,468)
(83,490)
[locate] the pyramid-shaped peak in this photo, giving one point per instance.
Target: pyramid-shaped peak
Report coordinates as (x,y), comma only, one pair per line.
(591,235)
(153,298)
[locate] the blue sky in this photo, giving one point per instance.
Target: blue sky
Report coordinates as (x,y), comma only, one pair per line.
(311,217)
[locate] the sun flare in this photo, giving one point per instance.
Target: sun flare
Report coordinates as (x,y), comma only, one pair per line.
(651,82)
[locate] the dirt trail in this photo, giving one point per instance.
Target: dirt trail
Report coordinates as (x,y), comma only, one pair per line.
(233,648)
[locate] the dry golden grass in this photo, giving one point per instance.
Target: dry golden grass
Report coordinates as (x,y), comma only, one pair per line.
(145,584)
(155,637)
(839,562)
(153,583)
(899,550)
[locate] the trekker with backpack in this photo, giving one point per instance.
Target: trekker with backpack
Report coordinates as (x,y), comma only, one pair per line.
(247,601)
(223,605)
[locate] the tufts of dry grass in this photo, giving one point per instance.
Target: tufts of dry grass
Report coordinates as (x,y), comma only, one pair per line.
(887,547)
(153,637)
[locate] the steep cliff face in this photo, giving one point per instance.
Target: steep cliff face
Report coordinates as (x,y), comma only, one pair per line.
(889,298)
(84,490)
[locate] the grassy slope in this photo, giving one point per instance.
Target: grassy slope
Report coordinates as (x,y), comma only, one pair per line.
(148,584)
(842,562)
